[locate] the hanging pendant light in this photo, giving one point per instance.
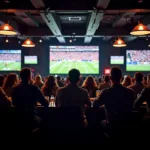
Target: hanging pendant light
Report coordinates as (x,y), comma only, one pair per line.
(140,29)
(119,43)
(28,43)
(6,29)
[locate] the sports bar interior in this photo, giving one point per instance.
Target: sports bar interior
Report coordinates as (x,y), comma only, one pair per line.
(74,72)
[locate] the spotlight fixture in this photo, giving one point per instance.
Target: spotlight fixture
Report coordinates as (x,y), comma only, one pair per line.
(28,43)
(140,29)
(40,41)
(70,40)
(6,40)
(119,43)
(6,29)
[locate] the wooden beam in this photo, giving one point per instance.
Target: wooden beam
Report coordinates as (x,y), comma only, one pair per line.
(27,18)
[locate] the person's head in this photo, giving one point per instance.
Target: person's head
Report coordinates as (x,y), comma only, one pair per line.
(115,74)
(74,76)
(127,81)
(89,82)
(148,79)
(25,74)
(99,80)
(138,77)
(2,78)
(38,78)
(10,80)
(50,82)
(145,80)
(106,79)
(58,78)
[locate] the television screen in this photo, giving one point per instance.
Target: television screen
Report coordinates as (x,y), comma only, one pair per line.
(138,60)
(83,58)
(30,60)
(117,60)
(10,60)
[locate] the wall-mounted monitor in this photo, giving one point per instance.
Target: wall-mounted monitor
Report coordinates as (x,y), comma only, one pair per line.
(64,58)
(138,60)
(30,60)
(10,60)
(116,60)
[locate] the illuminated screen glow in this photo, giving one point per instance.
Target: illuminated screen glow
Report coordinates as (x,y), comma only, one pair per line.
(138,60)
(30,60)
(64,58)
(10,60)
(117,60)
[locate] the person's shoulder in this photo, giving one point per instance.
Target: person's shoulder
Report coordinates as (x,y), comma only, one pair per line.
(83,89)
(129,90)
(60,89)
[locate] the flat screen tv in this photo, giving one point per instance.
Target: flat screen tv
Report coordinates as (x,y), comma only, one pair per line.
(30,60)
(138,60)
(10,60)
(117,60)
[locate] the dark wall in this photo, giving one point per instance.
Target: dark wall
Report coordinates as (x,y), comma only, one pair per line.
(106,50)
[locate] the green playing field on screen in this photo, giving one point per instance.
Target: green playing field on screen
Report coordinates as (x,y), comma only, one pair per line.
(65,58)
(117,60)
(10,60)
(138,60)
(30,60)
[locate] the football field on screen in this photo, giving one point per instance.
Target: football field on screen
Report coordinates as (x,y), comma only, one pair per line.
(30,62)
(15,66)
(64,67)
(117,62)
(138,68)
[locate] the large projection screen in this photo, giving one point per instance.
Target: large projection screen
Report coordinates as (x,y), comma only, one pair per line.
(83,58)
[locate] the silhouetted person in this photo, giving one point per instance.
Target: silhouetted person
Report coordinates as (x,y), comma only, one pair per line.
(72,95)
(25,97)
(116,99)
(2,78)
(106,83)
(90,85)
(59,82)
(138,86)
(144,96)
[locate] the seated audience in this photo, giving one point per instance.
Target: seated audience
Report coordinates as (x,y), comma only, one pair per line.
(59,82)
(117,99)
(4,100)
(2,78)
(90,85)
(145,80)
(106,83)
(10,81)
(138,86)
(50,87)
(66,82)
(72,95)
(38,81)
(99,81)
(144,96)
(127,81)
(25,96)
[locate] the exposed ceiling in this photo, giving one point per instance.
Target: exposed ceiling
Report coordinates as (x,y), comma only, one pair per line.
(63,19)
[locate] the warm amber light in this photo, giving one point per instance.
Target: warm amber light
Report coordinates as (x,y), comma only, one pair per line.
(140,29)
(119,43)
(6,29)
(28,43)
